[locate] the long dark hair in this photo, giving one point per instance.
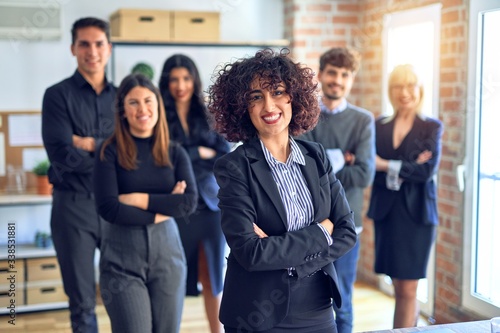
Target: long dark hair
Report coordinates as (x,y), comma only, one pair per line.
(197,107)
(125,145)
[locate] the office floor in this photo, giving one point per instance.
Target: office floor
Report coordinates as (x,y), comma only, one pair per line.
(373,311)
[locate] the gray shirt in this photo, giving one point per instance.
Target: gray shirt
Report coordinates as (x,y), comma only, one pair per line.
(351,130)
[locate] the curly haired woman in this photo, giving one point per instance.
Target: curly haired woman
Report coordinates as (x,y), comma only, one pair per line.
(284,214)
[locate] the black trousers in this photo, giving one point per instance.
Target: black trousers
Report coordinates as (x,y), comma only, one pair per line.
(76,233)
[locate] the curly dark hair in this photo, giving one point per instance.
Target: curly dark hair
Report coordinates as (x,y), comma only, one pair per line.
(229,93)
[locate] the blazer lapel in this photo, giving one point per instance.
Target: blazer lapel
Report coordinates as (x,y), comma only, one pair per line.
(263,175)
(310,172)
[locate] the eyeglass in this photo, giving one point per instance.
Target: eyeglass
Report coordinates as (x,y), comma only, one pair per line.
(400,87)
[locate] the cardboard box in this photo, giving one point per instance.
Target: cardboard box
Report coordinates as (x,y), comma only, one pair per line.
(141,25)
(196,26)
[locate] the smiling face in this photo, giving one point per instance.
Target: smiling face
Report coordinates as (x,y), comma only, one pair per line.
(270,109)
(406,91)
(405,97)
(92,50)
(181,85)
(336,82)
(141,111)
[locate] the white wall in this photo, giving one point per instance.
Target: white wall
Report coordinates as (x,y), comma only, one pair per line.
(27,68)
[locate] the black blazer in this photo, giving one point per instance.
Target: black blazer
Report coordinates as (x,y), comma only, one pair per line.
(256,283)
(418,188)
(200,134)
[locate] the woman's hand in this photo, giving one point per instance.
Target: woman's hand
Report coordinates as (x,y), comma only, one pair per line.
(179,187)
(328,225)
(259,231)
(161,218)
(206,153)
(424,157)
(135,199)
(381,164)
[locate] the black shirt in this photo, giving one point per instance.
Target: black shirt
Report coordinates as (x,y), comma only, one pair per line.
(111,180)
(73,107)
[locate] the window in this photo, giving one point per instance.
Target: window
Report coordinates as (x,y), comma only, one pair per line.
(413,37)
(482,211)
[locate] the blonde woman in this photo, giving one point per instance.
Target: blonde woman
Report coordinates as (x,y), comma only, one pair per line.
(403,201)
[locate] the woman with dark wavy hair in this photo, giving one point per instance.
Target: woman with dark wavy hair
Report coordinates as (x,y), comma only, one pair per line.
(201,234)
(284,214)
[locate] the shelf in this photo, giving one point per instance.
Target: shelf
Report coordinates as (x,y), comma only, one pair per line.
(269,43)
(24,199)
(27,251)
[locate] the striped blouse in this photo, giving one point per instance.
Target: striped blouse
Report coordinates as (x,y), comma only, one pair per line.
(293,189)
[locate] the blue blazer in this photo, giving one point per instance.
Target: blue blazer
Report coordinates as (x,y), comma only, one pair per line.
(418,188)
(256,283)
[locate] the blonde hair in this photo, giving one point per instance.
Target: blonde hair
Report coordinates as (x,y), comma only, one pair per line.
(405,75)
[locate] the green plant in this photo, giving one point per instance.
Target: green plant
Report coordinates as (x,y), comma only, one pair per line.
(145,69)
(42,168)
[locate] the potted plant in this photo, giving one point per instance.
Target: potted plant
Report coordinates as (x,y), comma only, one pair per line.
(43,239)
(145,69)
(42,180)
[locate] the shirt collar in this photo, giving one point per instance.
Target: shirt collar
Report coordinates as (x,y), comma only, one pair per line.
(81,82)
(296,155)
(342,106)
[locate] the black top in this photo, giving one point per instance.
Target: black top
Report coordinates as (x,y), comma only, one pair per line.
(200,134)
(112,180)
(73,107)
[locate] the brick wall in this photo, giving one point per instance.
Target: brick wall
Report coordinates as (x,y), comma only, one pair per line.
(313,26)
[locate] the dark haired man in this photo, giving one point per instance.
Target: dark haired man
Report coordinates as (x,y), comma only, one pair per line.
(347,133)
(77,114)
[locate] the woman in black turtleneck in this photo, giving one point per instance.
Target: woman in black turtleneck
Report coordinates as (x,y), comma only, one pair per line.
(141,180)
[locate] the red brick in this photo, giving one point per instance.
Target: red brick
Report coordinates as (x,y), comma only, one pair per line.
(452,106)
(455,31)
(345,19)
(343,7)
(319,8)
(298,43)
(445,208)
(333,43)
(448,194)
(448,77)
(451,3)
(449,295)
(446,92)
(313,19)
(307,32)
(449,62)
(450,239)
(450,17)
(339,32)
(445,265)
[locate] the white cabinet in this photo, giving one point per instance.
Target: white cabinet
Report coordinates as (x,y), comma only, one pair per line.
(29,276)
